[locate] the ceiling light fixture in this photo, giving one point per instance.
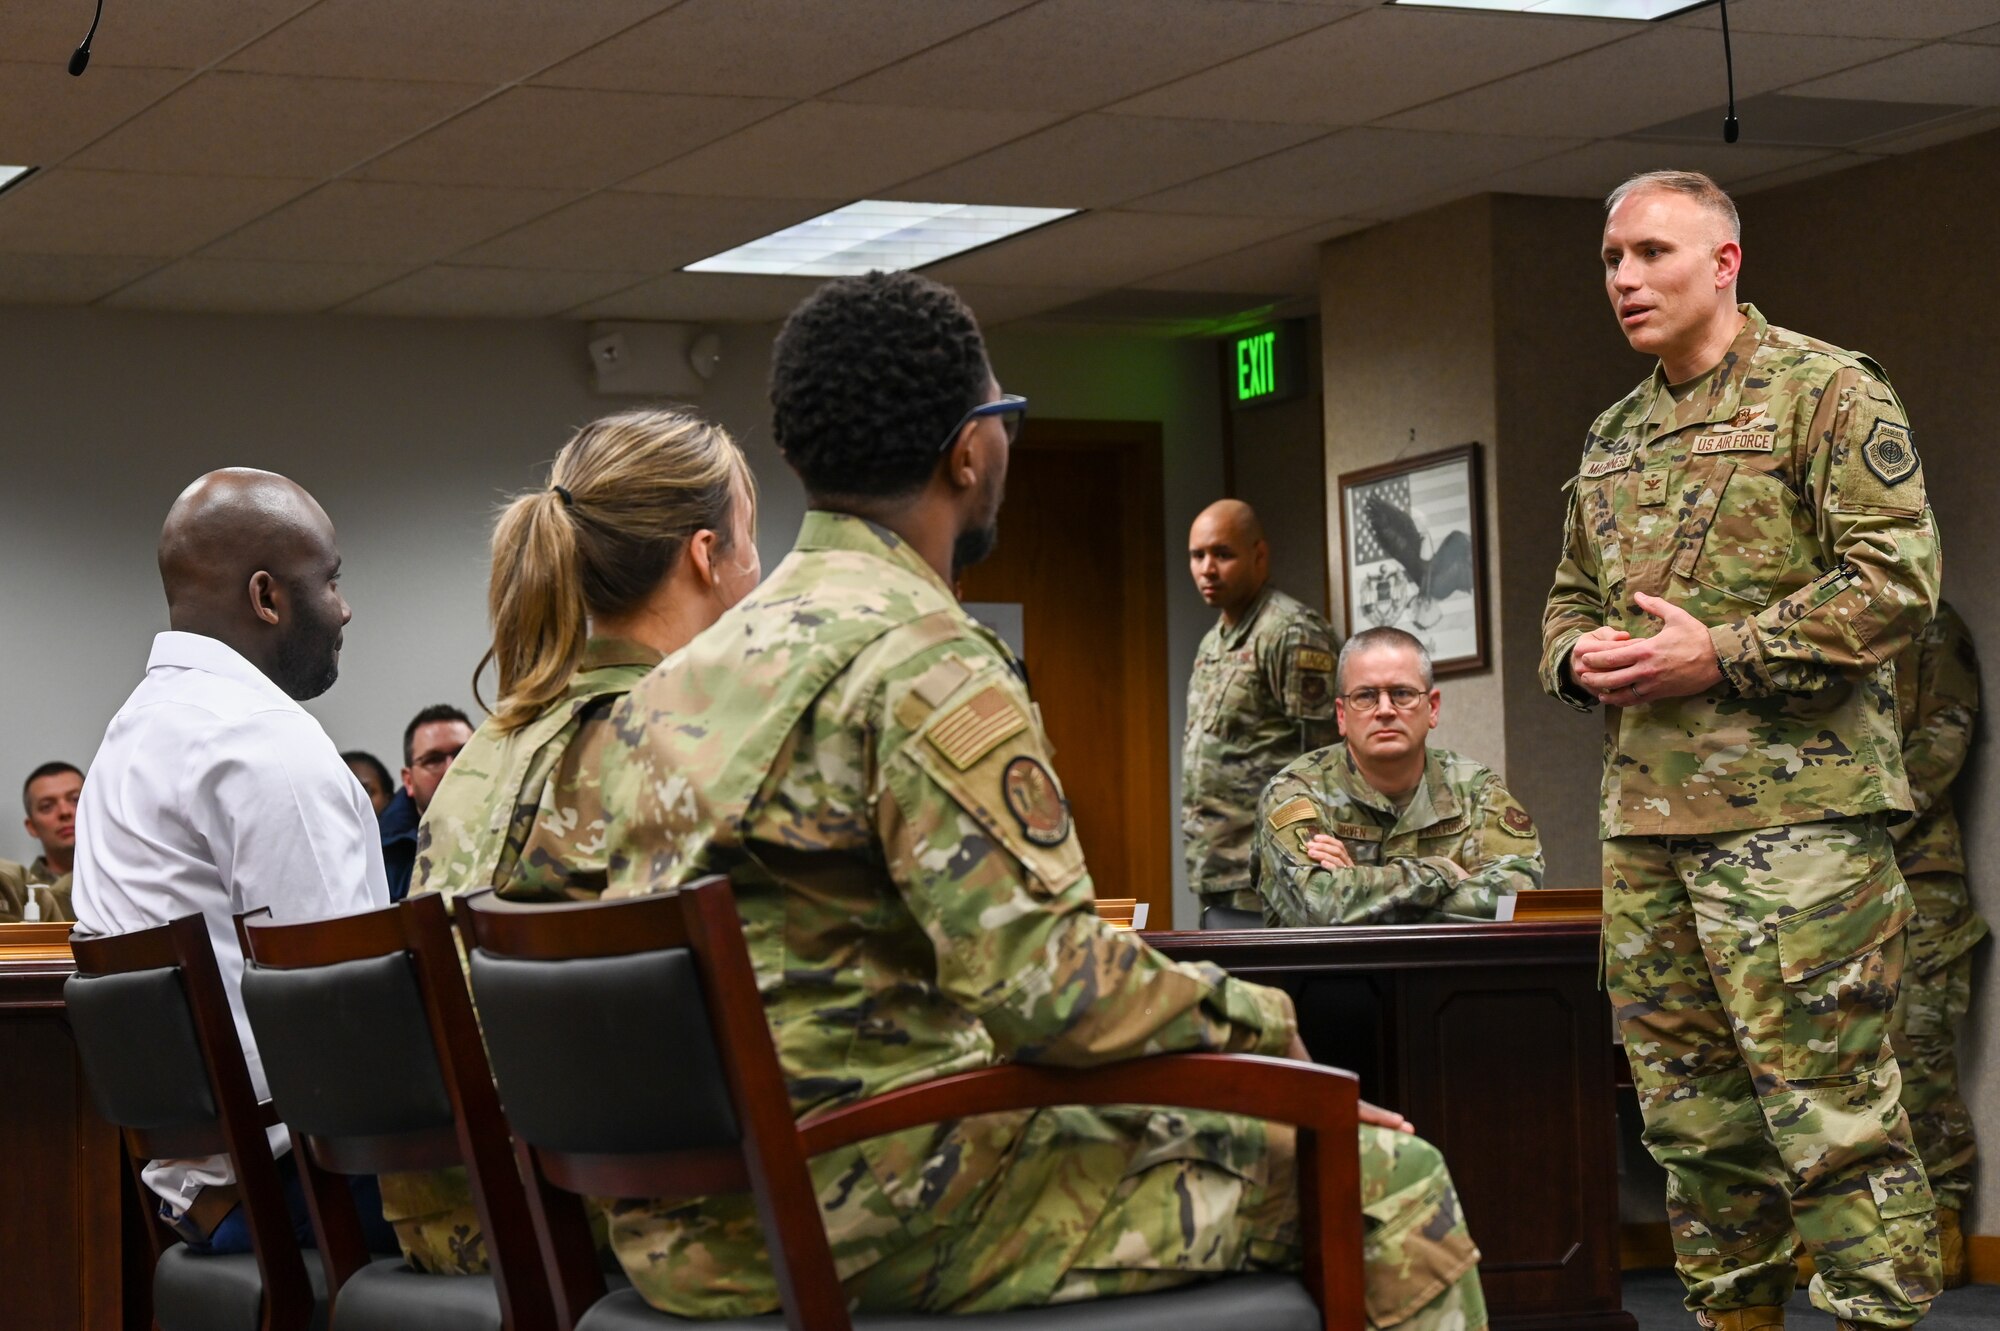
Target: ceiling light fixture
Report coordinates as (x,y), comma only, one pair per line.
(1637,11)
(878,233)
(11,176)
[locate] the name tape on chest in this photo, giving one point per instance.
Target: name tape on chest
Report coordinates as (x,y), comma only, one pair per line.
(976,727)
(1890,452)
(1596,467)
(1295,810)
(1357,831)
(1739,441)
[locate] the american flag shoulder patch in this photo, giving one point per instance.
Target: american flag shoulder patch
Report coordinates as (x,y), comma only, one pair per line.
(976,727)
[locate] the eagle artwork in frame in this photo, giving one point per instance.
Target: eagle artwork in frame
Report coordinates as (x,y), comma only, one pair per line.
(1413,543)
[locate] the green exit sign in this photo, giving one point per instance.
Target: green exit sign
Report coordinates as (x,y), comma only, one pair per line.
(1257,366)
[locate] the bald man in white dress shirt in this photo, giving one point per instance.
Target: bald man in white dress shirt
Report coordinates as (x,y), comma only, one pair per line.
(218,793)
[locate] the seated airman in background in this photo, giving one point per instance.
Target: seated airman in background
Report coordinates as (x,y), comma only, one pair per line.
(1380,828)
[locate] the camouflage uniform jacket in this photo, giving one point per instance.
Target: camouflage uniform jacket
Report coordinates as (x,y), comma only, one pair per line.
(1782,504)
(1403,859)
(1261,695)
(1937,701)
(521,811)
(21,884)
(860,758)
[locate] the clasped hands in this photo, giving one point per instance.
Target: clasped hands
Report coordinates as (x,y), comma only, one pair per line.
(1623,671)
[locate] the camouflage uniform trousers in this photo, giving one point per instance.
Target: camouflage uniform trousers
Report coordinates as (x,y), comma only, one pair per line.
(1753,976)
(1929,1012)
(1095,1203)
(438,1228)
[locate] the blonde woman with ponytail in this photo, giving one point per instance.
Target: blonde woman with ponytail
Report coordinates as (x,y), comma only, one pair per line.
(644,535)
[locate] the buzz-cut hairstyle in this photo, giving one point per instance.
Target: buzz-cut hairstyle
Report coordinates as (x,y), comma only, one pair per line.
(1385,636)
(1693,184)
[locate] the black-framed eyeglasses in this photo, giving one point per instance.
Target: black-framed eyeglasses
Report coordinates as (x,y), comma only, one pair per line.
(1367,700)
(1009,407)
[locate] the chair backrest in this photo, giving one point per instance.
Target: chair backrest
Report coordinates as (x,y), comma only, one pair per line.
(374,1060)
(630,1047)
(164,1063)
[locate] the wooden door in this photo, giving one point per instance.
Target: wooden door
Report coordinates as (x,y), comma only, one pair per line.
(1081,535)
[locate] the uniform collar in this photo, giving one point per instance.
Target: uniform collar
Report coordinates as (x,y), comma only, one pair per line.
(600,653)
(826,530)
(1718,400)
(1431,803)
(1232,638)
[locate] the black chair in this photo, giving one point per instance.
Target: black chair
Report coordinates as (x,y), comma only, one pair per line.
(164,1063)
(375,1063)
(634,1060)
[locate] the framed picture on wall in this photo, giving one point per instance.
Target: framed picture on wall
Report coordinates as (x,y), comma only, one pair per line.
(1412,549)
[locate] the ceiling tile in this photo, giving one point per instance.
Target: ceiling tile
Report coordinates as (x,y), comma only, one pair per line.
(250,286)
(1072,55)
(1097,161)
(1352,173)
(1945,72)
(640,232)
(1850,18)
(67,211)
(186,34)
(45,115)
(452,291)
(709,297)
(233,124)
(1286,266)
(450,41)
(1377,62)
(1106,249)
(994,306)
(844,150)
(65,279)
(566,138)
(1653,76)
(780,48)
(1964,125)
(1593,170)
(1988,36)
(1806,171)
(368,221)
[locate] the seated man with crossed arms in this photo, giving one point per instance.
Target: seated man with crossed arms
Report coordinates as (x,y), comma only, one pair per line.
(1380,828)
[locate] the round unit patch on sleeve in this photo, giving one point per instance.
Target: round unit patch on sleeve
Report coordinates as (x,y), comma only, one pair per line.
(1517,821)
(1890,453)
(1032,797)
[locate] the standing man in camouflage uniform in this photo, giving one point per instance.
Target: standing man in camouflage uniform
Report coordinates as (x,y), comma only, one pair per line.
(862,760)
(1381,828)
(1261,695)
(1937,699)
(1748,550)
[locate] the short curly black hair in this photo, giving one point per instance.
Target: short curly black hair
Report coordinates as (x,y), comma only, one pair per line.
(868,376)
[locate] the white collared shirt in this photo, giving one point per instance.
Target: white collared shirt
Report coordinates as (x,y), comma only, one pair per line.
(215,792)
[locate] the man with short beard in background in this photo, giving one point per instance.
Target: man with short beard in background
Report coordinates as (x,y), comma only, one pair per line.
(215,792)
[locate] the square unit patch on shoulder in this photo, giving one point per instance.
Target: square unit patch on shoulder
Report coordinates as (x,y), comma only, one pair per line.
(977,726)
(1890,453)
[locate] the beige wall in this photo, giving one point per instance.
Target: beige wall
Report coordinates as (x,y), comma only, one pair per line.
(1486,320)
(1279,454)
(1396,304)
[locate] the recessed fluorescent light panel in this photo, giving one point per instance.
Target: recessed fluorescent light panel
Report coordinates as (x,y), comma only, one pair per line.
(11,175)
(878,233)
(1639,11)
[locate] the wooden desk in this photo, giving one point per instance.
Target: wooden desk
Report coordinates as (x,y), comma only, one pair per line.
(64,1181)
(1494,1040)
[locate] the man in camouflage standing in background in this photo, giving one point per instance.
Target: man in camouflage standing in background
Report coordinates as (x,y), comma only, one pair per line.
(1937,698)
(862,760)
(1261,695)
(1749,548)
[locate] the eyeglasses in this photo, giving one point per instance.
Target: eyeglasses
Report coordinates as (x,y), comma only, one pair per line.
(434,760)
(1367,700)
(1009,407)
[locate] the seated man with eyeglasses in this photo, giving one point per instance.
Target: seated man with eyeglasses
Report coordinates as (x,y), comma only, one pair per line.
(1381,828)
